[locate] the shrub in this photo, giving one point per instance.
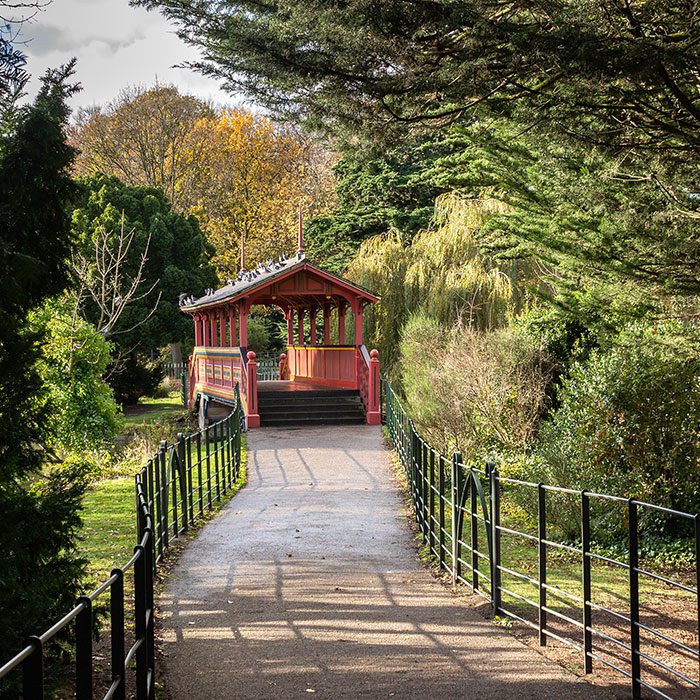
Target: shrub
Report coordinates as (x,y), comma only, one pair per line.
(134,377)
(628,420)
(73,357)
(476,391)
(258,335)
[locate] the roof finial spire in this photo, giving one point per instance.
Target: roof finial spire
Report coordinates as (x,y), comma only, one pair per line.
(300,248)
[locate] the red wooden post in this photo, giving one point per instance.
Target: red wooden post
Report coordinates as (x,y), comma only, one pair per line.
(222,328)
(357,311)
(232,327)
(212,330)
(289,314)
(197,330)
(374,415)
(312,331)
(243,324)
(283,366)
(341,323)
(253,417)
(326,324)
(300,329)
(205,329)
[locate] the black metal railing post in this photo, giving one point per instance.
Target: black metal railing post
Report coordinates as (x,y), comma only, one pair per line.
(182,474)
(426,490)
(116,624)
(190,478)
(431,502)
(212,429)
(164,530)
(199,474)
(83,650)
(542,563)
(149,601)
(140,624)
(456,569)
(474,528)
(634,598)
(586,581)
(441,512)
(207,449)
(158,502)
(174,471)
(33,670)
(149,493)
(495,541)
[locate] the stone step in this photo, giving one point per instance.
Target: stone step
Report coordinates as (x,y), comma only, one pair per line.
(266,421)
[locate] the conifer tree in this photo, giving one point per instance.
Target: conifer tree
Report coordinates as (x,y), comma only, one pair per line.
(39,504)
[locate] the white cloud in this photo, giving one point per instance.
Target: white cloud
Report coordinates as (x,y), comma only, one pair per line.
(116,45)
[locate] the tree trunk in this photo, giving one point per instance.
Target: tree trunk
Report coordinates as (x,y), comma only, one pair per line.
(176,353)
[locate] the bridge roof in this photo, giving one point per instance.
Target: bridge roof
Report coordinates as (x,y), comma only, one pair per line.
(264,284)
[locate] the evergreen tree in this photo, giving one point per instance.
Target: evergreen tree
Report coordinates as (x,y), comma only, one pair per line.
(177,258)
(377,193)
(38,501)
(614,73)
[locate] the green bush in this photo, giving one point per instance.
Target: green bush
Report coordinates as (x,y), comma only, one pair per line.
(628,422)
(135,376)
(73,358)
(481,392)
(258,335)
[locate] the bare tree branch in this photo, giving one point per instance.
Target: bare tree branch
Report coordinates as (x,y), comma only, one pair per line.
(103,280)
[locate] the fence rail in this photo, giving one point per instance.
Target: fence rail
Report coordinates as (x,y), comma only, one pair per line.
(497,536)
(177,485)
(174,370)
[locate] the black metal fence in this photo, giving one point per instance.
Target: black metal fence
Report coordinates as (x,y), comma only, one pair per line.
(511,541)
(174,370)
(178,484)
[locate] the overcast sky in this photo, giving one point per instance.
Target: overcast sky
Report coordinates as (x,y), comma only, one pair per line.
(116,45)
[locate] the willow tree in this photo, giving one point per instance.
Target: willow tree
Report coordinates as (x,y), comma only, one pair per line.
(442,272)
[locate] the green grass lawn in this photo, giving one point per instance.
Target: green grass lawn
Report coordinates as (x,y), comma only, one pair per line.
(109,526)
(149,411)
(109,511)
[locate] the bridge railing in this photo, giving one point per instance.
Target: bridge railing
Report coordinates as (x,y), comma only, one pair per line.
(503,539)
(175,488)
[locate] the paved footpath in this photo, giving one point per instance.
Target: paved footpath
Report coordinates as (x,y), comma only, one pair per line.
(308,585)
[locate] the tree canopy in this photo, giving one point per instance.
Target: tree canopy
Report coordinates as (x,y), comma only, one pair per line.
(177,258)
(611,73)
(141,138)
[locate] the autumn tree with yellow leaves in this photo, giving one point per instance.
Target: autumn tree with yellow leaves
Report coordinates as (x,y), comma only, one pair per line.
(241,174)
(140,138)
(247,177)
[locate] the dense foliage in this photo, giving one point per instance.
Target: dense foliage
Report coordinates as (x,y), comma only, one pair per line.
(39,499)
(628,419)
(562,141)
(74,357)
(609,72)
(377,192)
(243,175)
(177,258)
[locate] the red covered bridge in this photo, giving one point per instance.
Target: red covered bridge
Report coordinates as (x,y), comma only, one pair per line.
(320,381)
